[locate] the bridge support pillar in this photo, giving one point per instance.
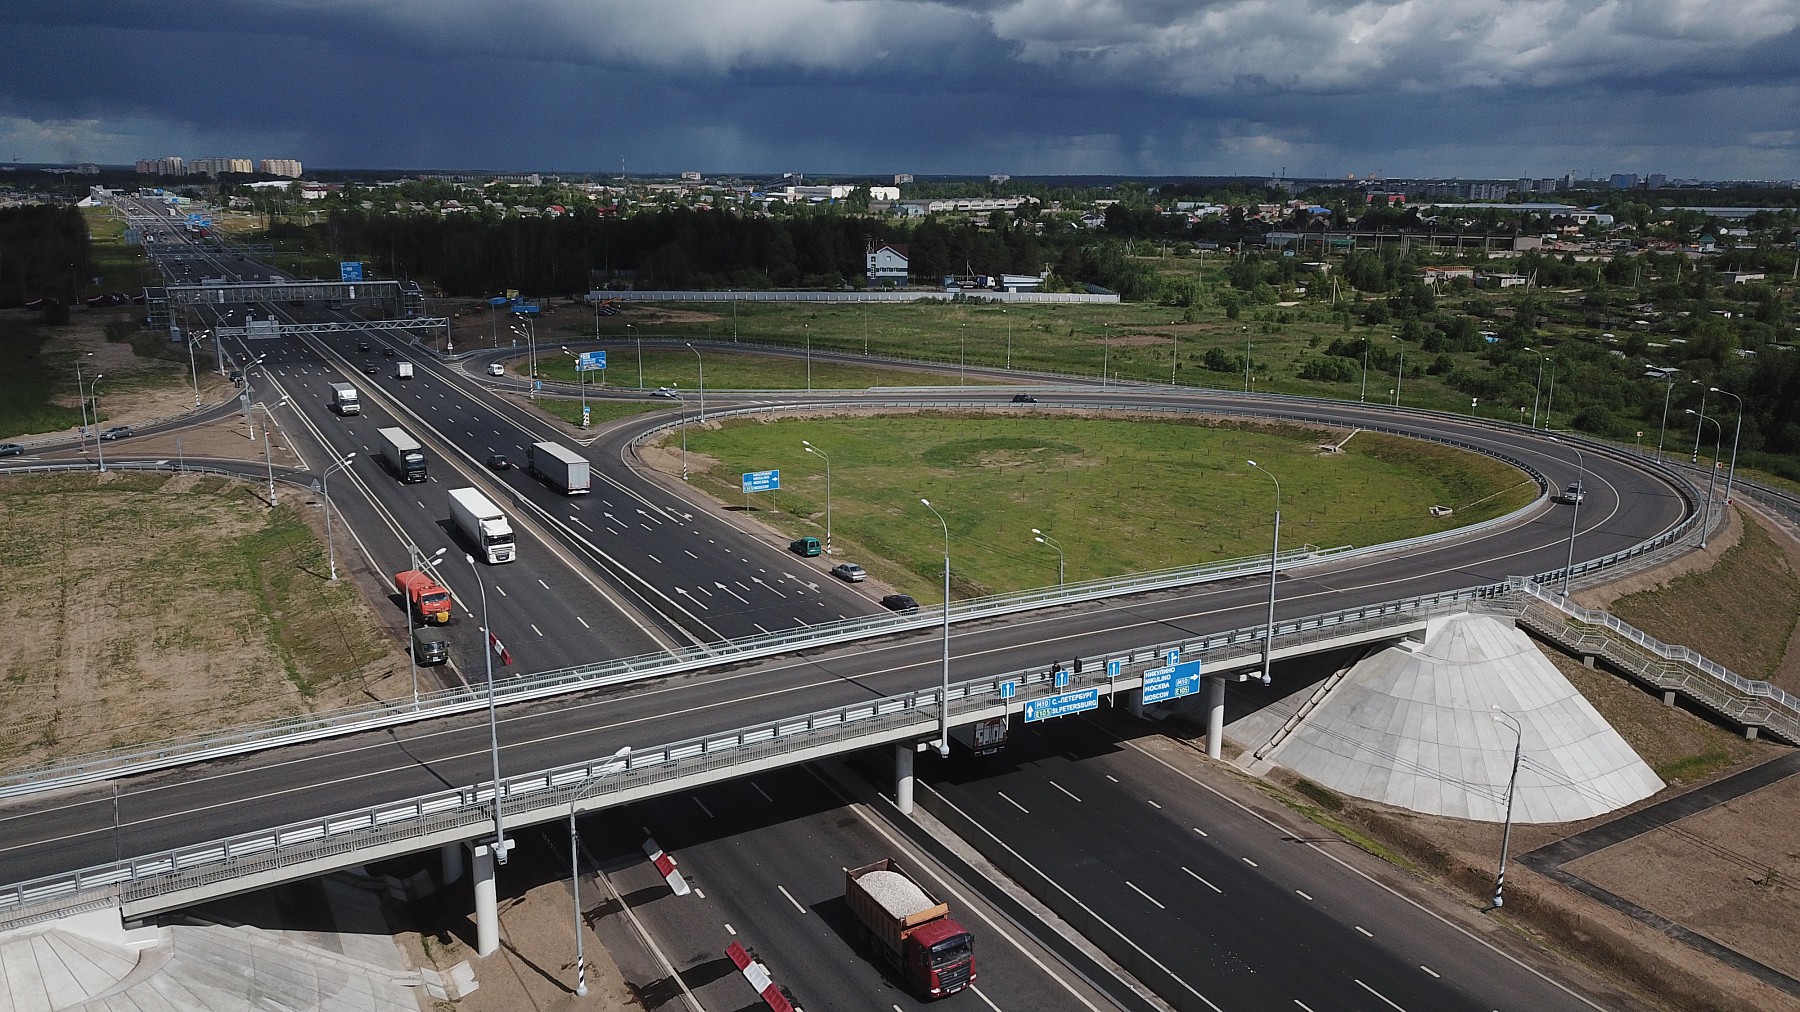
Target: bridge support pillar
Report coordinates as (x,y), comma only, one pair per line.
(1669,698)
(1215,716)
(903,777)
(452,856)
(487,907)
(1750,733)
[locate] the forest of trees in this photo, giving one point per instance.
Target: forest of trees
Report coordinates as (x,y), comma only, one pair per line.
(43,253)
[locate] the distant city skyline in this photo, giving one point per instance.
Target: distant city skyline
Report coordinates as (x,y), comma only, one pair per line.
(1401,88)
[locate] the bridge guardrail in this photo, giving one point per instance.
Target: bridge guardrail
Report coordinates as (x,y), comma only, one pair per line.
(470,808)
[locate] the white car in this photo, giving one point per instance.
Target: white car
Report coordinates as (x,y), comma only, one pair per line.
(1573,494)
(496,369)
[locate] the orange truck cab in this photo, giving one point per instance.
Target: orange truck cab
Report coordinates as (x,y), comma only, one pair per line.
(427,598)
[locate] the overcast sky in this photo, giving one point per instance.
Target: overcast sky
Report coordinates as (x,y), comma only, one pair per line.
(1471,88)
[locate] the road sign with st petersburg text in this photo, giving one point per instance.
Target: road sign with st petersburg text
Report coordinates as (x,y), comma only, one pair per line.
(591,360)
(761,481)
(1063,705)
(350,270)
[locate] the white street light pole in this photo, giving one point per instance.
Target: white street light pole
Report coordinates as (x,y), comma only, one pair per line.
(813,449)
(487,651)
(1274,553)
(1512,785)
(1246,331)
(1008,339)
(1664,429)
(1575,515)
(639,338)
(94,394)
(702,362)
(682,402)
(1736,431)
(1045,539)
(194,366)
(1364,395)
(269,458)
(1697,426)
(420,563)
(944,700)
(580,376)
(1400,375)
(325,490)
(1539,391)
(1712,473)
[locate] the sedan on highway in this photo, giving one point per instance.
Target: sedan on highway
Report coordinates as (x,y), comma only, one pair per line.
(11,449)
(1573,494)
(115,432)
(902,603)
(849,572)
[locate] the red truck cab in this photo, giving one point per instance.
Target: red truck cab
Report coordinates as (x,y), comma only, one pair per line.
(427,598)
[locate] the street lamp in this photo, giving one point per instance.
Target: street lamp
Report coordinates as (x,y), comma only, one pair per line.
(1364,395)
(639,338)
(530,336)
(682,402)
(806,332)
(1512,785)
(702,362)
(1399,374)
(944,700)
(325,489)
(94,395)
(1274,552)
(1246,331)
(813,449)
(268,458)
(1701,413)
(1575,515)
(1008,339)
(1712,473)
(194,366)
(1539,390)
(1736,431)
(1045,539)
(579,382)
(1663,431)
(487,652)
(419,562)
(1105,352)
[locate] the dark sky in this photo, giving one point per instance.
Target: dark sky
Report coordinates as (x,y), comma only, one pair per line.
(1471,88)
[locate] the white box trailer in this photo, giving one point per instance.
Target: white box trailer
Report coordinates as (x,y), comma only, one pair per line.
(569,472)
(482,524)
(404,456)
(344,399)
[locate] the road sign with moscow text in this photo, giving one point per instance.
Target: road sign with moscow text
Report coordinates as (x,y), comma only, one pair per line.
(350,270)
(1064,705)
(761,481)
(591,360)
(1171,682)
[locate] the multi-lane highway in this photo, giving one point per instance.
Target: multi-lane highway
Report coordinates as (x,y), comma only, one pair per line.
(627,569)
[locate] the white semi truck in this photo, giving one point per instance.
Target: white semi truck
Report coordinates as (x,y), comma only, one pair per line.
(344,400)
(482,525)
(404,456)
(567,471)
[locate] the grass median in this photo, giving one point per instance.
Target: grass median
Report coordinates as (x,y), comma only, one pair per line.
(1118,494)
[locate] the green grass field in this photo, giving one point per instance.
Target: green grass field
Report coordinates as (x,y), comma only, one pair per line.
(600,410)
(1120,495)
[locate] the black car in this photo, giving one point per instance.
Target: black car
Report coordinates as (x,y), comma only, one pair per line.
(371,368)
(387,353)
(362,346)
(11,449)
(902,603)
(1024,399)
(498,462)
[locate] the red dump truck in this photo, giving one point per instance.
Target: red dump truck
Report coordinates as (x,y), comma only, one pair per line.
(914,931)
(429,599)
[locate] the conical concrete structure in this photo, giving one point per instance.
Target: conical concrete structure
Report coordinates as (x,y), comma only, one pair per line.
(1416,728)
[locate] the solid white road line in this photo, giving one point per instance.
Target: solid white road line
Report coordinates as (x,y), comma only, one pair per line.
(1013,803)
(791,899)
(1063,789)
(1378,994)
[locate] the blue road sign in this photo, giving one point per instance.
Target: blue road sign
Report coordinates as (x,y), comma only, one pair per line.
(1062,678)
(350,270)
(530,308)
(1115,668)
(498,300)
(1172,655)
(1068,703)
(590,360)
(1174,681)
(761,481)
(1009,689)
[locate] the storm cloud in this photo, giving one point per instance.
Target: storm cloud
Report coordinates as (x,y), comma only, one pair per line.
(1469,88)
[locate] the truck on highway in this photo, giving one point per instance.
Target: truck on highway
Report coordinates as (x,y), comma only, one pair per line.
(403,370)
(428,599)
(482,524)
(404,456)
(344,400)
(984,737)
(567,471)
(915,932)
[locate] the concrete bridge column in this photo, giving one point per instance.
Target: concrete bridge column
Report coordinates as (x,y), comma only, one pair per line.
(1215,716)
(903,777)
(487,907)
(452,856)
